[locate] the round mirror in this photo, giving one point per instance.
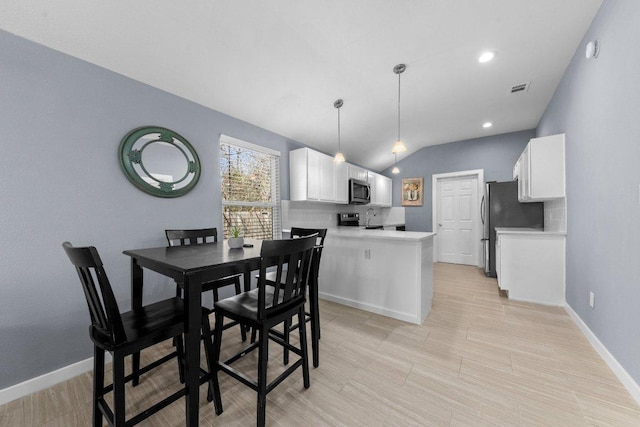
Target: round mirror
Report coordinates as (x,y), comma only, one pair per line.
(159,161)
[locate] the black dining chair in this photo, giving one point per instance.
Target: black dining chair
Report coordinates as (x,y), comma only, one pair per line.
(313,315)
(123,334)
(198,237)
(263,308)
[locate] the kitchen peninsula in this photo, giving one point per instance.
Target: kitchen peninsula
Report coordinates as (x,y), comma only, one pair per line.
(381,271)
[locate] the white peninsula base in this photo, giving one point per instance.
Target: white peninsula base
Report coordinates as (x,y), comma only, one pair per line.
(384,272)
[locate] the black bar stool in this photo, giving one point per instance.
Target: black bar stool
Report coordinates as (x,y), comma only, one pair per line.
(123,334)
(313,315)
(262,309)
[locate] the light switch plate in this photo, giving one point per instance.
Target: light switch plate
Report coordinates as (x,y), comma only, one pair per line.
(592,298)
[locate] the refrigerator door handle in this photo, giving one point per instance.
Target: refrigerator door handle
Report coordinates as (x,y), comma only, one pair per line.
(485,249)
(482,213)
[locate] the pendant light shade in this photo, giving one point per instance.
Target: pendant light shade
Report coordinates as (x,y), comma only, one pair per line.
(339,157)
(395,169)
(399,146)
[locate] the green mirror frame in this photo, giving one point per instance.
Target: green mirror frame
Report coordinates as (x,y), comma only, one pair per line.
(146,177)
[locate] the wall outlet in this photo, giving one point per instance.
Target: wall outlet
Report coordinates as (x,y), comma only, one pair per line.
(367,254)
(592,298)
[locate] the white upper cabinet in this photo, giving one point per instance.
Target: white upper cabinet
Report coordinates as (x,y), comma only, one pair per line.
(342,183)
(380,189)
(358,173)
(540,170)
(313,176)
(383,187)
(327,179)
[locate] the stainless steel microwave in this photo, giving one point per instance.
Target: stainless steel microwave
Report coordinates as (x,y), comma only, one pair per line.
(359,192)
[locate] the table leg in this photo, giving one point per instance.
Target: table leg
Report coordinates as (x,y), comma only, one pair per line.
(193,319)
(137,282)
(247,278)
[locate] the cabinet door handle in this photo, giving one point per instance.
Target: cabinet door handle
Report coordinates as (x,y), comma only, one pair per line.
(440,225)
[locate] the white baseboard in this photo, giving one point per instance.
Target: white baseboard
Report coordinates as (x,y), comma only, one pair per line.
(627,380)
(47,380)
(372,308)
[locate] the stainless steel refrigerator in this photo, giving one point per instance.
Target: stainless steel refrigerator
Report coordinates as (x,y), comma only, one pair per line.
(500,208)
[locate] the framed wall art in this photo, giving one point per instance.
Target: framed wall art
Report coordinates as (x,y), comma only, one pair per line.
(412,191)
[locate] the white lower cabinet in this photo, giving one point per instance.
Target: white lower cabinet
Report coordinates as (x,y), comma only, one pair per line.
(531,266)
(498,263)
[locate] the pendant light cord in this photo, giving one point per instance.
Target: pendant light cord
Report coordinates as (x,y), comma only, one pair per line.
(398,106)
(339,150)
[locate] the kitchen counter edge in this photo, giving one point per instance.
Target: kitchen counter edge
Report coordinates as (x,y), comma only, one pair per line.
(517,230)
(357,232)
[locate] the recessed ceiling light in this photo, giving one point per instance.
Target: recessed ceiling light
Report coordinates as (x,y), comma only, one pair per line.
(487,125)
(487,56)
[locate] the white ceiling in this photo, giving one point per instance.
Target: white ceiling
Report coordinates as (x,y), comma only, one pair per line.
(280,64)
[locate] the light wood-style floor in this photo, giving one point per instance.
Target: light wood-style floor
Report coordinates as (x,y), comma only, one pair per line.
(479,359)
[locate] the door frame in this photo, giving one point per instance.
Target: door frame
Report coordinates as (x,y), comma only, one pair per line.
(435,178)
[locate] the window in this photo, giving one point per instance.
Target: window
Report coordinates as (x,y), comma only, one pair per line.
(250,179)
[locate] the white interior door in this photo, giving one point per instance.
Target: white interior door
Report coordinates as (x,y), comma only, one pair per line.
(457,221)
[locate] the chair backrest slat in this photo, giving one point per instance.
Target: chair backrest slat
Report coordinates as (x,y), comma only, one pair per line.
(103,308)
(191,237)
(278,253)
(96,311)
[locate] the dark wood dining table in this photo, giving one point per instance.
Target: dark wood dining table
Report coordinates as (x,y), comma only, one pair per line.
(191,266)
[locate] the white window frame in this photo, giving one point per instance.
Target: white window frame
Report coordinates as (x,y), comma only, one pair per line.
(275,205)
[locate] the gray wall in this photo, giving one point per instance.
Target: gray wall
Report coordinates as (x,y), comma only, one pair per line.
(495,154)
(597,105)
(62,120)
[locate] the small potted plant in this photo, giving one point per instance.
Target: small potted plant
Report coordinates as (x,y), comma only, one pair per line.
(235,241)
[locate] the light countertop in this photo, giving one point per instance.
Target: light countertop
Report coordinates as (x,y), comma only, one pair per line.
(362,233)
(523,230)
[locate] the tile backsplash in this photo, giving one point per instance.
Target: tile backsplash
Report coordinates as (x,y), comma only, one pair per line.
(555,215)
(324,215)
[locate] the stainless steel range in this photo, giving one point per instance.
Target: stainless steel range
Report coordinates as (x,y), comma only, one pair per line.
(350,219)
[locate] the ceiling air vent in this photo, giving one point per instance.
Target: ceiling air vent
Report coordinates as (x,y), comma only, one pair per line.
(522,87)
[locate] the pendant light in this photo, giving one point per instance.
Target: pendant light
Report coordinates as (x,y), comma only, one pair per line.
(395,169)
(399,146)
(339,158)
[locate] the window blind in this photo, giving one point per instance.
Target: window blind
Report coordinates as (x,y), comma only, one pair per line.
(250,184)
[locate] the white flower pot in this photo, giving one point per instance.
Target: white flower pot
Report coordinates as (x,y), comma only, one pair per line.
(236,242)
